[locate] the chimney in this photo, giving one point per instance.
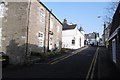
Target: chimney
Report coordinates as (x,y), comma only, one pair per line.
(65,21)
(104,26)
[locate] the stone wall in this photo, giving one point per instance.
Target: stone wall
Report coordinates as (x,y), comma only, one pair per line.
(22,24)
(14,31)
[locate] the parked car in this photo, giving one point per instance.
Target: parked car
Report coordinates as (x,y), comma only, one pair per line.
(4,59)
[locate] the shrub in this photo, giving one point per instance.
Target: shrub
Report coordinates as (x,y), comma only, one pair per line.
(49,54)
(43,56)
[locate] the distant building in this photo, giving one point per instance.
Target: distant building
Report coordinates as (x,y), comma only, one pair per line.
(114,39)
(92,38)
(72,37)
(28,27)
(106,34)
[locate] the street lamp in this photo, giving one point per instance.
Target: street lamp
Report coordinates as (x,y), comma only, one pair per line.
(98,35)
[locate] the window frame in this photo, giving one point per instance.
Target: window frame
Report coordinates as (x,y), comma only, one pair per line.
(73,41)
(40,39)
(2,9)
(42,15)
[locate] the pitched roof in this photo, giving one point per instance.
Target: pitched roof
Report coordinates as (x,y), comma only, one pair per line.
(67,26)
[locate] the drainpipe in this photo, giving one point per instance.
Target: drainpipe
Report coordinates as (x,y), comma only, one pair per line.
(49,31)
(45,32)
(29,4)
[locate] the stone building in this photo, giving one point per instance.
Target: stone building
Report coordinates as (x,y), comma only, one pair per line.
(28,27)
(92,39)
(106,34)
(114,39)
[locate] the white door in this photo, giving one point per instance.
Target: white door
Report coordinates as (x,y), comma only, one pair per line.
(50,43)
(0,39)
(114,50)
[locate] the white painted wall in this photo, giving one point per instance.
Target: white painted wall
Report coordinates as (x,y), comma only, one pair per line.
(68,35)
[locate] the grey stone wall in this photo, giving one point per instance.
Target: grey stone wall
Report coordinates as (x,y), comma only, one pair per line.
(14,31)
(21,25)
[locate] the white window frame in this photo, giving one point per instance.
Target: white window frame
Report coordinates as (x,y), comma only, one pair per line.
(51,23)
(57,43)
(40,39)
(58,29)
(42,15)
(2,9)
(0,37)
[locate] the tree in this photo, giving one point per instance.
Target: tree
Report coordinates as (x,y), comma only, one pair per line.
(110,12)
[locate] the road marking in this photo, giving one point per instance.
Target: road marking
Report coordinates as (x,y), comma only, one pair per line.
(92,66)
(64,57)
(40,63)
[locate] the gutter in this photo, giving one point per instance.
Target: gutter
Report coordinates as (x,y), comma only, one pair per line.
(114,34)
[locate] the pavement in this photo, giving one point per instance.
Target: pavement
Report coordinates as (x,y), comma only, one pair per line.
(105,68)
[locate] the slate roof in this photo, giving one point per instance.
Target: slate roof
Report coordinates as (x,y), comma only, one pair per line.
(68,27)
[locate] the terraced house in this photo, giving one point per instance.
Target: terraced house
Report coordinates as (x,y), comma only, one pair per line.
(27,27)
(114,39)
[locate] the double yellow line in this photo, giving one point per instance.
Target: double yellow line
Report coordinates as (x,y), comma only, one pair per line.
(66,56)
(90,73)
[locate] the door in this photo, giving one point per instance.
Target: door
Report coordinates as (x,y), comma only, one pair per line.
(50,43)
(114,50)
(80,42)
(0,39)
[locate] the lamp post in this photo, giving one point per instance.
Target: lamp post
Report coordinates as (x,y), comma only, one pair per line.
(98,35)
(104,33)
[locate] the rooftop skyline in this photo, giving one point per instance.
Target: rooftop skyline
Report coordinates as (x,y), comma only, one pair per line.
(89,15)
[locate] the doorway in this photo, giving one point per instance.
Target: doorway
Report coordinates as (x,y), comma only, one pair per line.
(114,50)
(0,39)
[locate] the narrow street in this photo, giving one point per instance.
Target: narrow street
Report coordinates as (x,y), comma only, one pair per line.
(75,66)
(41,39)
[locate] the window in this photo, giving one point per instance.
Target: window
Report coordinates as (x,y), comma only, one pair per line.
(41,39)
(42,16)
(40,35)
(73,41)
(57,43)
(51,23)
(58,28)
(40,43)
(0,36)
(2,8)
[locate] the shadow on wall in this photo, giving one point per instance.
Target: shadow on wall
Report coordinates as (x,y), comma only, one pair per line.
(17,53)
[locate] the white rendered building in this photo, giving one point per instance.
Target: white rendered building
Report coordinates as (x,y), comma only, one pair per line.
(72,37)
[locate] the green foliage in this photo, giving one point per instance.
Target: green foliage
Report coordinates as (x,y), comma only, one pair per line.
(65,50)
(49,54)
(43,56)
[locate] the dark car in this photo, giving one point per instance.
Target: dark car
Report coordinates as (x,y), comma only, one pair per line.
(4,59)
